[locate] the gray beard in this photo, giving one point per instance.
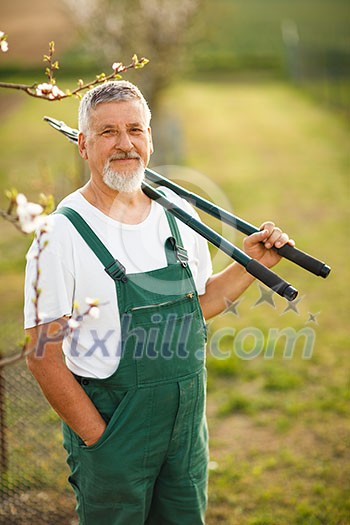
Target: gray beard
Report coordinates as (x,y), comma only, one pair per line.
(123,181)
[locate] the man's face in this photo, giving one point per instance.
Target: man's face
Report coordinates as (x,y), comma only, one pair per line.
(118,140)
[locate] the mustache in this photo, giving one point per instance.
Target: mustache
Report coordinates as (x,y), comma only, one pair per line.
(124,155)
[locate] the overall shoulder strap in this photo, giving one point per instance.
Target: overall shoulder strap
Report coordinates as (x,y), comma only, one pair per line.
(175,242)
(112,266)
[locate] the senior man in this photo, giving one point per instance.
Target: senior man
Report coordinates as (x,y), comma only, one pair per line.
(131,387)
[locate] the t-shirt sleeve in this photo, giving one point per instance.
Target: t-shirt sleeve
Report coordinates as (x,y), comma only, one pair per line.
(205,267)
(56,280)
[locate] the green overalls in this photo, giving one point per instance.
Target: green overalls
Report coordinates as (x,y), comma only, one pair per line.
(150,464)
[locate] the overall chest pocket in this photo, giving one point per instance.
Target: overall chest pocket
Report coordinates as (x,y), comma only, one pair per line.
(164,341)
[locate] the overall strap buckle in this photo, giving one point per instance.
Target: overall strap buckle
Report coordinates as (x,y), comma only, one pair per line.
(117,271)
(179,251)
(181,255)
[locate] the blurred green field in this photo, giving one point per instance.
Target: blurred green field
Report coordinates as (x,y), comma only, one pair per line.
(279,426)
(238,30)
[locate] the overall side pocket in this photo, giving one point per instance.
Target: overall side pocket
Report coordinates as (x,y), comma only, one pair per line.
(111,424)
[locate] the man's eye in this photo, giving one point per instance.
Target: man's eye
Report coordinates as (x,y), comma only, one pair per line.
(136,130)
(108,132)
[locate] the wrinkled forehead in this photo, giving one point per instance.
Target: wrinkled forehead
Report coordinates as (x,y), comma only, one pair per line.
(118,111)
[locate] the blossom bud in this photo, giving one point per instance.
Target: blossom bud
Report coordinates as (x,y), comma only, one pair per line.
(117,66)
(91,302)
(21,200)
(73,324)
(94,312)
(4,46)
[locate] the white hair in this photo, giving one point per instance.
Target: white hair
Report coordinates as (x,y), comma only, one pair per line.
(115,90)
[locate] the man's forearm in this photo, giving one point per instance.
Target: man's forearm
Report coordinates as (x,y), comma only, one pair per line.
(234,280)
(64,393)
(225,286)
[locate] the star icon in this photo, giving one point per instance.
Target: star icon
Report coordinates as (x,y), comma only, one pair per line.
(313,318)
(210,326)
(266,296)
(231,307)
(292,305)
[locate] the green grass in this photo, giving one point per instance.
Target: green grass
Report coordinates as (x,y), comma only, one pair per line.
(279,426)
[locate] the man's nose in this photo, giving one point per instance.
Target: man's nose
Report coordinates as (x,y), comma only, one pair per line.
(124,142)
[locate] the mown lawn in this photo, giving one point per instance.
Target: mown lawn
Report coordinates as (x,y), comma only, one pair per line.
(278,421)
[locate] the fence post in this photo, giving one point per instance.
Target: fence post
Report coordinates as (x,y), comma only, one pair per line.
(290,35)
(3,440)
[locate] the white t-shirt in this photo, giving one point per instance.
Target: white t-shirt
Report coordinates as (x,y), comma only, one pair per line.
(71,272)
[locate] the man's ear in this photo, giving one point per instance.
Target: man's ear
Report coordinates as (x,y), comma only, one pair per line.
(150,140)
(82,146)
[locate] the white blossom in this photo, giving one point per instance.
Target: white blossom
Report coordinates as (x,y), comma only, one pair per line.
(29,209)
(44,89)
(30,216)
(42,316)
(91,302)
(73,324)
(40,222)
(117,66)
(49,90)
(57,93)
(4,46)
(44,223)
(3,42)
(94,312)
(21,199)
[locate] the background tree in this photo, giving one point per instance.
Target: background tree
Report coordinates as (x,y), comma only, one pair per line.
(158,29)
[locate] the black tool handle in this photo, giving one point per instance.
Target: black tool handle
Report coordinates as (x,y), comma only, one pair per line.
(304,260)
(258,270)
(300,258)
(271,279)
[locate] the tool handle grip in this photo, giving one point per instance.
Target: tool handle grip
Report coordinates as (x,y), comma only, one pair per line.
(304,260)
(271,279)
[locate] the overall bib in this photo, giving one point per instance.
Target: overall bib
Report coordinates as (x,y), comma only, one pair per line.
(150,465)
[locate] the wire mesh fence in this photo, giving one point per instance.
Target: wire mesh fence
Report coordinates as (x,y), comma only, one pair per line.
(324,73)
(34,487)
